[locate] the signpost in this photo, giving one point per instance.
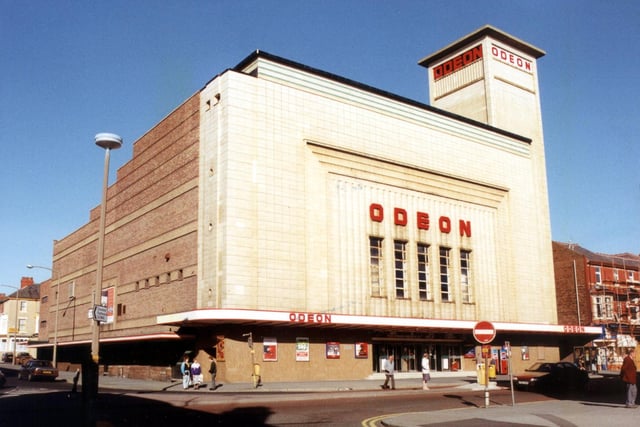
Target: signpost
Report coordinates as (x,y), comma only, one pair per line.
(100,313)
(484,332)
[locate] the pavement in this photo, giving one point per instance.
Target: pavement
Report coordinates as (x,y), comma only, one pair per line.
(597,410)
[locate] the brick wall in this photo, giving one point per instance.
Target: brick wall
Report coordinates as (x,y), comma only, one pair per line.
(151,235)
(563,259)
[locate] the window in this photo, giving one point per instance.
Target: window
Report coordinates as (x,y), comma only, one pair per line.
(72,290)
(631,276)
(22,326)
(23,306)
(375,265)
(598,275)
(615,275)
(603,307)
(465,268)
(400,267)
(424,288)
(445,291)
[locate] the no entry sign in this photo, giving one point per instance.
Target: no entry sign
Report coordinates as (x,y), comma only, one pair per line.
(484,332)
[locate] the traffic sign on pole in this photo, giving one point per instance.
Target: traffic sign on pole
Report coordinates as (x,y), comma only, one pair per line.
(484,332)
(100,313)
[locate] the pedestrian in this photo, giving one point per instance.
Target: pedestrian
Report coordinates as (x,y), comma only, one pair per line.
(388,368)
(76,378)
(628,374)
(186,372)
(213,370)
(426,371)
(196,374)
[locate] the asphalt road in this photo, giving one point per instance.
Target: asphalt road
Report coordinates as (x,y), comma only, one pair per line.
(42,403)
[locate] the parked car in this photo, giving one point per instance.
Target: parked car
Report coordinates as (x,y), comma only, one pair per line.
(552,376)
(7,357)
(3,379)
(38,369)
(22,358)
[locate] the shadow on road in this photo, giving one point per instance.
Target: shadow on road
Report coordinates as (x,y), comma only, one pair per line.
(114,410)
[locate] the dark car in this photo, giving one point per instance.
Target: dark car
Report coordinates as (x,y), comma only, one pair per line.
(3,379)
(22,358)
(38,369)
(552,376)
(7,357)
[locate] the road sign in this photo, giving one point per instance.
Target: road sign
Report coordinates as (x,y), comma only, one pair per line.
(100,313)
(484,332)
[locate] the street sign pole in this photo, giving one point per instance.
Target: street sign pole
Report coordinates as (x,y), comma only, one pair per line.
(507,346)
(484,332)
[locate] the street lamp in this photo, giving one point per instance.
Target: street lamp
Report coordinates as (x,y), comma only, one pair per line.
(108,141)
(15,335)
(55,332)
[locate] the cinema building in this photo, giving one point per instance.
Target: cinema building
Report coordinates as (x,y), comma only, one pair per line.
(313,225)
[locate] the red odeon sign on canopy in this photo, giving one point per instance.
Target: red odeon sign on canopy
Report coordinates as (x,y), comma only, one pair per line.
(484,332)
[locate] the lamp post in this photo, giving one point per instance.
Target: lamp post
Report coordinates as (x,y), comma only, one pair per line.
(108,141)
(55,331)
(15,334)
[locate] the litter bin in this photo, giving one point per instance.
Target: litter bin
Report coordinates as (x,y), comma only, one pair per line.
(482,375)
(492,371)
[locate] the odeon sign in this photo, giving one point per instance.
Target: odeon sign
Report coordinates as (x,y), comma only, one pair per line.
(474,54)
(310,317)
(423,221)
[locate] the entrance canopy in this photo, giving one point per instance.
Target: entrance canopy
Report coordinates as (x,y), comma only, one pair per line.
(283,318)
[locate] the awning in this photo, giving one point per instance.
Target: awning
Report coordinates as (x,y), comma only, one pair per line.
(238,316)
(149,337)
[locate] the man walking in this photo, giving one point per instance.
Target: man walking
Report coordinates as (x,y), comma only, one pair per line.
(628,374)
(388,374)
(213,370)
(426,371)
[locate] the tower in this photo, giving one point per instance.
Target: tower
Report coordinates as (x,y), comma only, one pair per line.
(491,77)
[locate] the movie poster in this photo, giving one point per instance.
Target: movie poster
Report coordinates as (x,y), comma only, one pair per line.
(269,350)
(302,349)
(333,350)
(362,350)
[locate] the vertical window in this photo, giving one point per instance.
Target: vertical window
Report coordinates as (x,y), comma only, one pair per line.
(598,275)
(23,306)
(22,326)
(603,307)
(400,267)
(445,291)
(631,276)
(375,265)
(616,276)
(465,270)
(424,288)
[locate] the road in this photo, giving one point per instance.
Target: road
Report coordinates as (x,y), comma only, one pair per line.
(43,403)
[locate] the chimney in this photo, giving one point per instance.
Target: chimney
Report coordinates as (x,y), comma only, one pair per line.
(25,282)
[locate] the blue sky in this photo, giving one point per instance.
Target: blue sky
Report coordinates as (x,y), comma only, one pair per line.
(71,69)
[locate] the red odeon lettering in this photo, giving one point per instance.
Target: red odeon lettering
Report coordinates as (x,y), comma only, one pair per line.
(511,58)
(376,213)
(575,329)
(445,224)
(458,62)
(401,218)
(310,317)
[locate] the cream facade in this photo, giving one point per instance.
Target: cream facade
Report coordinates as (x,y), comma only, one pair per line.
(335,224)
